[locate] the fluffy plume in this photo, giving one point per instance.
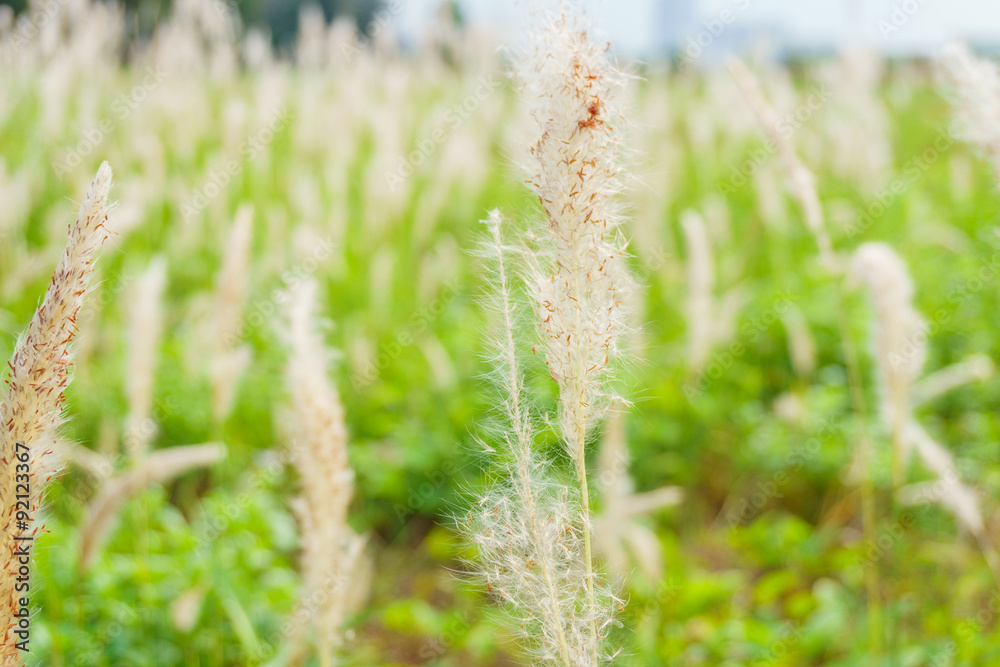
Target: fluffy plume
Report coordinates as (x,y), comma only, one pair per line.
(800,342)
(332,552)
(144,469)
(144,329)
(899,335)
(32,409)
(187,608)
(580,275)
(976,86)
(976,367)
(949,491)
(527,530)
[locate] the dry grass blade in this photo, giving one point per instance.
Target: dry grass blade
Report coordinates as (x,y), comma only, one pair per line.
(951,493)
(975,368)
(156,468)
(900,347)
(622,539)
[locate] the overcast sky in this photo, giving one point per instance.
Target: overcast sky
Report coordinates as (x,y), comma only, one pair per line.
(640,27)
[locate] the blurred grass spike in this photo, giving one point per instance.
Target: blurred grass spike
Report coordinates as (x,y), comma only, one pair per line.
(802,180)
(900,350)
(618,536)
(227,360)
(334,570)
(975,91)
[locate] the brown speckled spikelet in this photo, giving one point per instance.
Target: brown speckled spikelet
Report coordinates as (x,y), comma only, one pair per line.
(40,371)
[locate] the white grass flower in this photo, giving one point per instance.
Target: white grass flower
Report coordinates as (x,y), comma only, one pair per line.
(581,274)
(900,343)
(618,532)
(976,89)
(527,529)
(900,351)
(158,467)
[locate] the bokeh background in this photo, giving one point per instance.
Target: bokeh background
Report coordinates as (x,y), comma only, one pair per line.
(365,140)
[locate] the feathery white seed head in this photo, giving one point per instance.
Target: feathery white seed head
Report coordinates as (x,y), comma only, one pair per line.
(580,276)
(156,468)
(801,179)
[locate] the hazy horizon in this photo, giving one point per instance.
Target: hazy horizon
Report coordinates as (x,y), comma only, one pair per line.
(645,27)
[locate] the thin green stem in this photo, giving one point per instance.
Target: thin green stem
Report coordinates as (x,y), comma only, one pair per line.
(869,514)
(581,471)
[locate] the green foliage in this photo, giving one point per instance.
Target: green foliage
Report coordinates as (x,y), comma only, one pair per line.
(762,561)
